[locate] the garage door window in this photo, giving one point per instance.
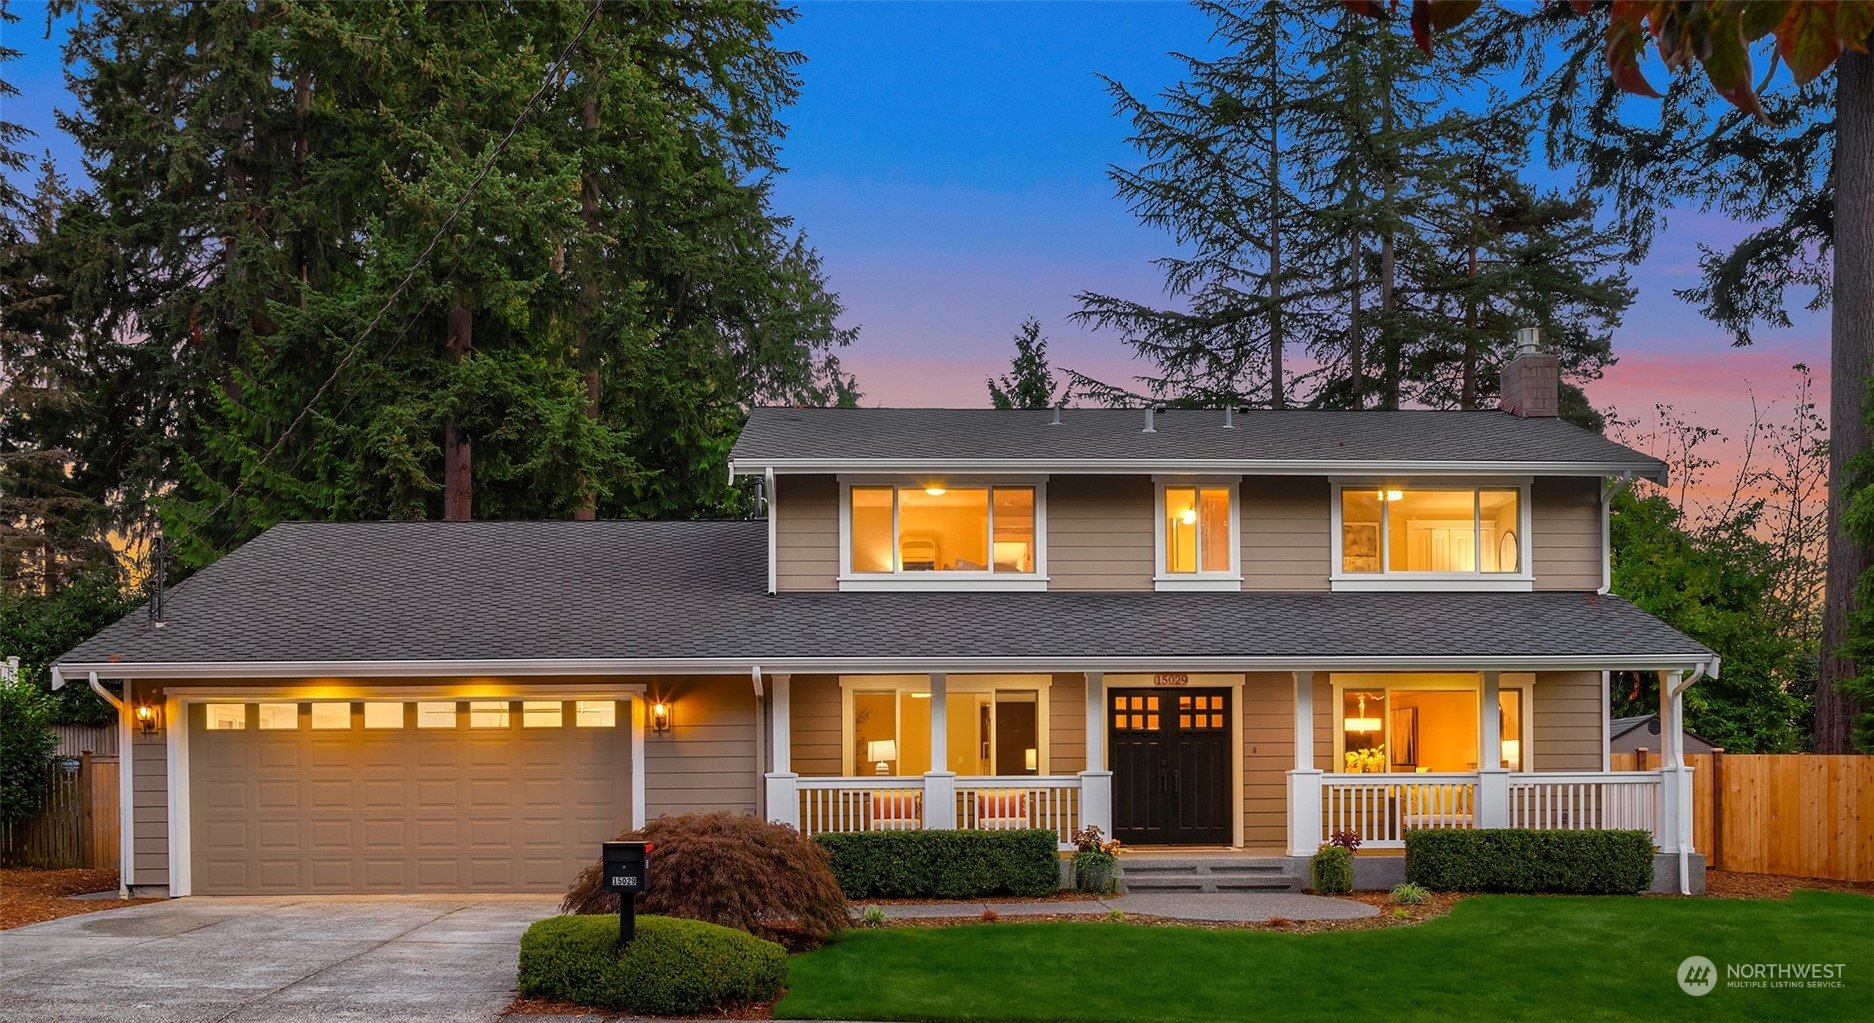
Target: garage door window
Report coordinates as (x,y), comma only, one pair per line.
(596,713)
(279,717)
(542,714)
(488,714)
(384,715)
(226,717)
(435,715)
(331,716)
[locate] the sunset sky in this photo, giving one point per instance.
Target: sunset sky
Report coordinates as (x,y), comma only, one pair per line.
(949,160)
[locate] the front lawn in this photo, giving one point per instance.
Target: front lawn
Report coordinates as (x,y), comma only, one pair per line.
(1492,958)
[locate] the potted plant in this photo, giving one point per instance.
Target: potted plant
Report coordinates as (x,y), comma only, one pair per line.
(1096,862)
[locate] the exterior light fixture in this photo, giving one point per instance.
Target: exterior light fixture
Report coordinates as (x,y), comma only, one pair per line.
(660,717)
(148,718)
(935,491)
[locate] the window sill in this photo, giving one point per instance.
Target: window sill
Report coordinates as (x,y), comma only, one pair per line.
(945,582)
(1197,583)
(1437,584)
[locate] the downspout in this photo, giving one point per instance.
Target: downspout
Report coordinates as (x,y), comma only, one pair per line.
(1607,539)
(767,497)
(1677,741)
(761,753)
(127,842)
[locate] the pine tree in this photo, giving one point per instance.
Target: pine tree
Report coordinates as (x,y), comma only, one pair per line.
(1030,381)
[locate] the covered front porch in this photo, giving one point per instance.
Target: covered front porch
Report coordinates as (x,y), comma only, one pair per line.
(1271,762)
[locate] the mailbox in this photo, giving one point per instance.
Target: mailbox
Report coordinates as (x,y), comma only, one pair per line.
(627,866)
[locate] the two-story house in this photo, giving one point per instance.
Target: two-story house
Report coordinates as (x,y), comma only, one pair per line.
(1212,628)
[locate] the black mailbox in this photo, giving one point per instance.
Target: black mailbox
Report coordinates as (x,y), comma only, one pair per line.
(627,866)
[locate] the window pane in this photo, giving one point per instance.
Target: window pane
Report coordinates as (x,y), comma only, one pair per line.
(435,715)
(1015,529)
(225,717)
(875,733)
(1510,713)
(595,713)
(331,716)
(946,531)
(1359,529)
(1431,531)
(1502,540)
(1180,529)
(1433,730)
(871,529)
(1213,518)
(1363,722)
(542,713)
(970,727)
(1018,733)
(488,713)
(279,716)
(383,715)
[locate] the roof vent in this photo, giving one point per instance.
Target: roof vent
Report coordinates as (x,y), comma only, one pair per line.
(1056,421)
(1229,417)
(1528,340)
(1149,428)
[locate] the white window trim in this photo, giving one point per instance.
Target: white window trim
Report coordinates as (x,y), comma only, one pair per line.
(1163,579)
(851,581)
(850,684)
(1523,681)
(1521,581)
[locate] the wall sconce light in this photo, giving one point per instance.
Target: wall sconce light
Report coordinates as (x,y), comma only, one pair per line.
(660,717)
(149,718)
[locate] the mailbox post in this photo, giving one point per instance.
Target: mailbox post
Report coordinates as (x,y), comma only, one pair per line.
(627,872)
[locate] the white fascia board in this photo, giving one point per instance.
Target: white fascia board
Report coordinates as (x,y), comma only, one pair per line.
(884,666)
(1240,466)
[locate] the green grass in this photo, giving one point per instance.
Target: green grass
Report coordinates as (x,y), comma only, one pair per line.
(1493,957)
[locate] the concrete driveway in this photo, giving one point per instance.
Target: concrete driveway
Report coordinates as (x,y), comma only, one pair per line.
(277,960)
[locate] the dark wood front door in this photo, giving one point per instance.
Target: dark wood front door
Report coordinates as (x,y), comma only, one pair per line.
(1170,755)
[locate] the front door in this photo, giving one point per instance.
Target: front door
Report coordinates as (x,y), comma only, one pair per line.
(1170,755)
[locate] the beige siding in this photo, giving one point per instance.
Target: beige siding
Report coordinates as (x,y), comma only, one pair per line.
(1286,531)
(806,528)
(1324,721)
(1567,721)
(1100,533)
(1067,724)
(1268,754)
(707,759)
(149,797)
(1565,533)
(813,719)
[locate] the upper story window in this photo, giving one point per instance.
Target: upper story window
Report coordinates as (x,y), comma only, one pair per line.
(943,531)
(1431,532)
(1197,535)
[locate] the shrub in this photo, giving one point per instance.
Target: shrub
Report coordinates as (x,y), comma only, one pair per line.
(1096,872)
(741,872)
(671,966)
(1348,840)
(26,747)
(1330,871)
(1410,894)
(944,864)
(1514,860)
(873,917)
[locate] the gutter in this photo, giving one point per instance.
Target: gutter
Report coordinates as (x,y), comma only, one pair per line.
(1249,466)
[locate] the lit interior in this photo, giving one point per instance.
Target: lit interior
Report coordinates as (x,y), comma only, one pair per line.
(1197,529)
(1463,531)
(941,528)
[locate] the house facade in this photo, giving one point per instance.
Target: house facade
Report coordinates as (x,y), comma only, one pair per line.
(1190,628)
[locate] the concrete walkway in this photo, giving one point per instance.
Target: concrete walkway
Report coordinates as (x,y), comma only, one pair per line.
(1212,908)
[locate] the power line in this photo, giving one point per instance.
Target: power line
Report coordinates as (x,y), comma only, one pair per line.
(547,84)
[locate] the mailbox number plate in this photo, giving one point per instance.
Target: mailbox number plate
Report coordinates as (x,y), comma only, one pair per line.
(624,881)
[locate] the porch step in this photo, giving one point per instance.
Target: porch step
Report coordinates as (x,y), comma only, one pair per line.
(1219,873)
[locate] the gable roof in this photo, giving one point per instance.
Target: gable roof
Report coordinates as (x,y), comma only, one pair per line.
(563,597)
(1291,440)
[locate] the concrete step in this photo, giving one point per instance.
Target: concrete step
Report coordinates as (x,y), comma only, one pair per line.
(1220,873)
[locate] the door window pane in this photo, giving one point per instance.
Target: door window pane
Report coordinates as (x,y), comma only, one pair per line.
(1015,529)
(225,717)
(1180,529)
(871,529)
(383,715)
(279,716)
(488,714)
(542,713)
(435,715)
(1432,531)
(595,713)
(943,529)
(1501,529)
(331,716)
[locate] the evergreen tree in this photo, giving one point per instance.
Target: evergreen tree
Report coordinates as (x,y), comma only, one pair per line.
(1030,381)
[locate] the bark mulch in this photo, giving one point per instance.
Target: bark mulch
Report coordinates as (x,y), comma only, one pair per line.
(1734,884)
(35,896)
(549,1007)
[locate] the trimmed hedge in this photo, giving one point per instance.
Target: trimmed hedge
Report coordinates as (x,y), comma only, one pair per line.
(945,864)
(1515,860)
(1330,870)
(671,967)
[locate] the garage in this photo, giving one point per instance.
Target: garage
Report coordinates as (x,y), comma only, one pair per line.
(402,795)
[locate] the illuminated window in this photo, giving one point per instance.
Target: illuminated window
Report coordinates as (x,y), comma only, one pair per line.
(331,716)
(383,715)
(942,528)
(435,715)
(1196,535)
(987,732)
(542,713)
(225,717)
(1431,530)
(1421,727)
(279,716)
(488,714)
(595,713)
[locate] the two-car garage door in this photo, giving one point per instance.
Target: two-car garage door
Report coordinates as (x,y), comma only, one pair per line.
(403,795)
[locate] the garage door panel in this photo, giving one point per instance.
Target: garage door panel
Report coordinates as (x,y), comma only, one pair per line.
(408,809)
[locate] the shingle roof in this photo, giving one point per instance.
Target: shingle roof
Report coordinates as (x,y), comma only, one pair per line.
(1303,436)
(373,591)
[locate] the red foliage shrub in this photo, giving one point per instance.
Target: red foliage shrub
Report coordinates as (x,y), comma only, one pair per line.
(766,879)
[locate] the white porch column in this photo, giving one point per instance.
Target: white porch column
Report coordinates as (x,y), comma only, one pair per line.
(783,783)
(1493,780)
(940,784)
(1304,781)
(1674,790)
(1096,782)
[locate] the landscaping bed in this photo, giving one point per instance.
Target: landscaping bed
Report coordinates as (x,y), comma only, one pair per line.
(1735,884)
(35,896)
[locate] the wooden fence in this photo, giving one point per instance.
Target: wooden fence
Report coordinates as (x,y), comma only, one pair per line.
(77,823)
(1798,815)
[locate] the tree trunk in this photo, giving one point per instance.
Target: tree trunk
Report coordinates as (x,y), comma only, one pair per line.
(458,449)
(588,508)
(1468,396)
(1356,339)
(1388,329)
(1851,360)
(1278,397)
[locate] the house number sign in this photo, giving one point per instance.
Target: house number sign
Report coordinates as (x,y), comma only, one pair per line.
(1173,678)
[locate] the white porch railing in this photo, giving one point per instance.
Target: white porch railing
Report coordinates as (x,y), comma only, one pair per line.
(1595,801)
(1052,803)
(1381,808)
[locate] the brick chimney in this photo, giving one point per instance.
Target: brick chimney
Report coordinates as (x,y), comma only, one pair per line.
(1532,382)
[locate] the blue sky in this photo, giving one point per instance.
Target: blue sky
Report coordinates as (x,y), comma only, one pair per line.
(949,159)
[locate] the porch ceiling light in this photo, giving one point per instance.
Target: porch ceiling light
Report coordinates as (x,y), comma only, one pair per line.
(935,491)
